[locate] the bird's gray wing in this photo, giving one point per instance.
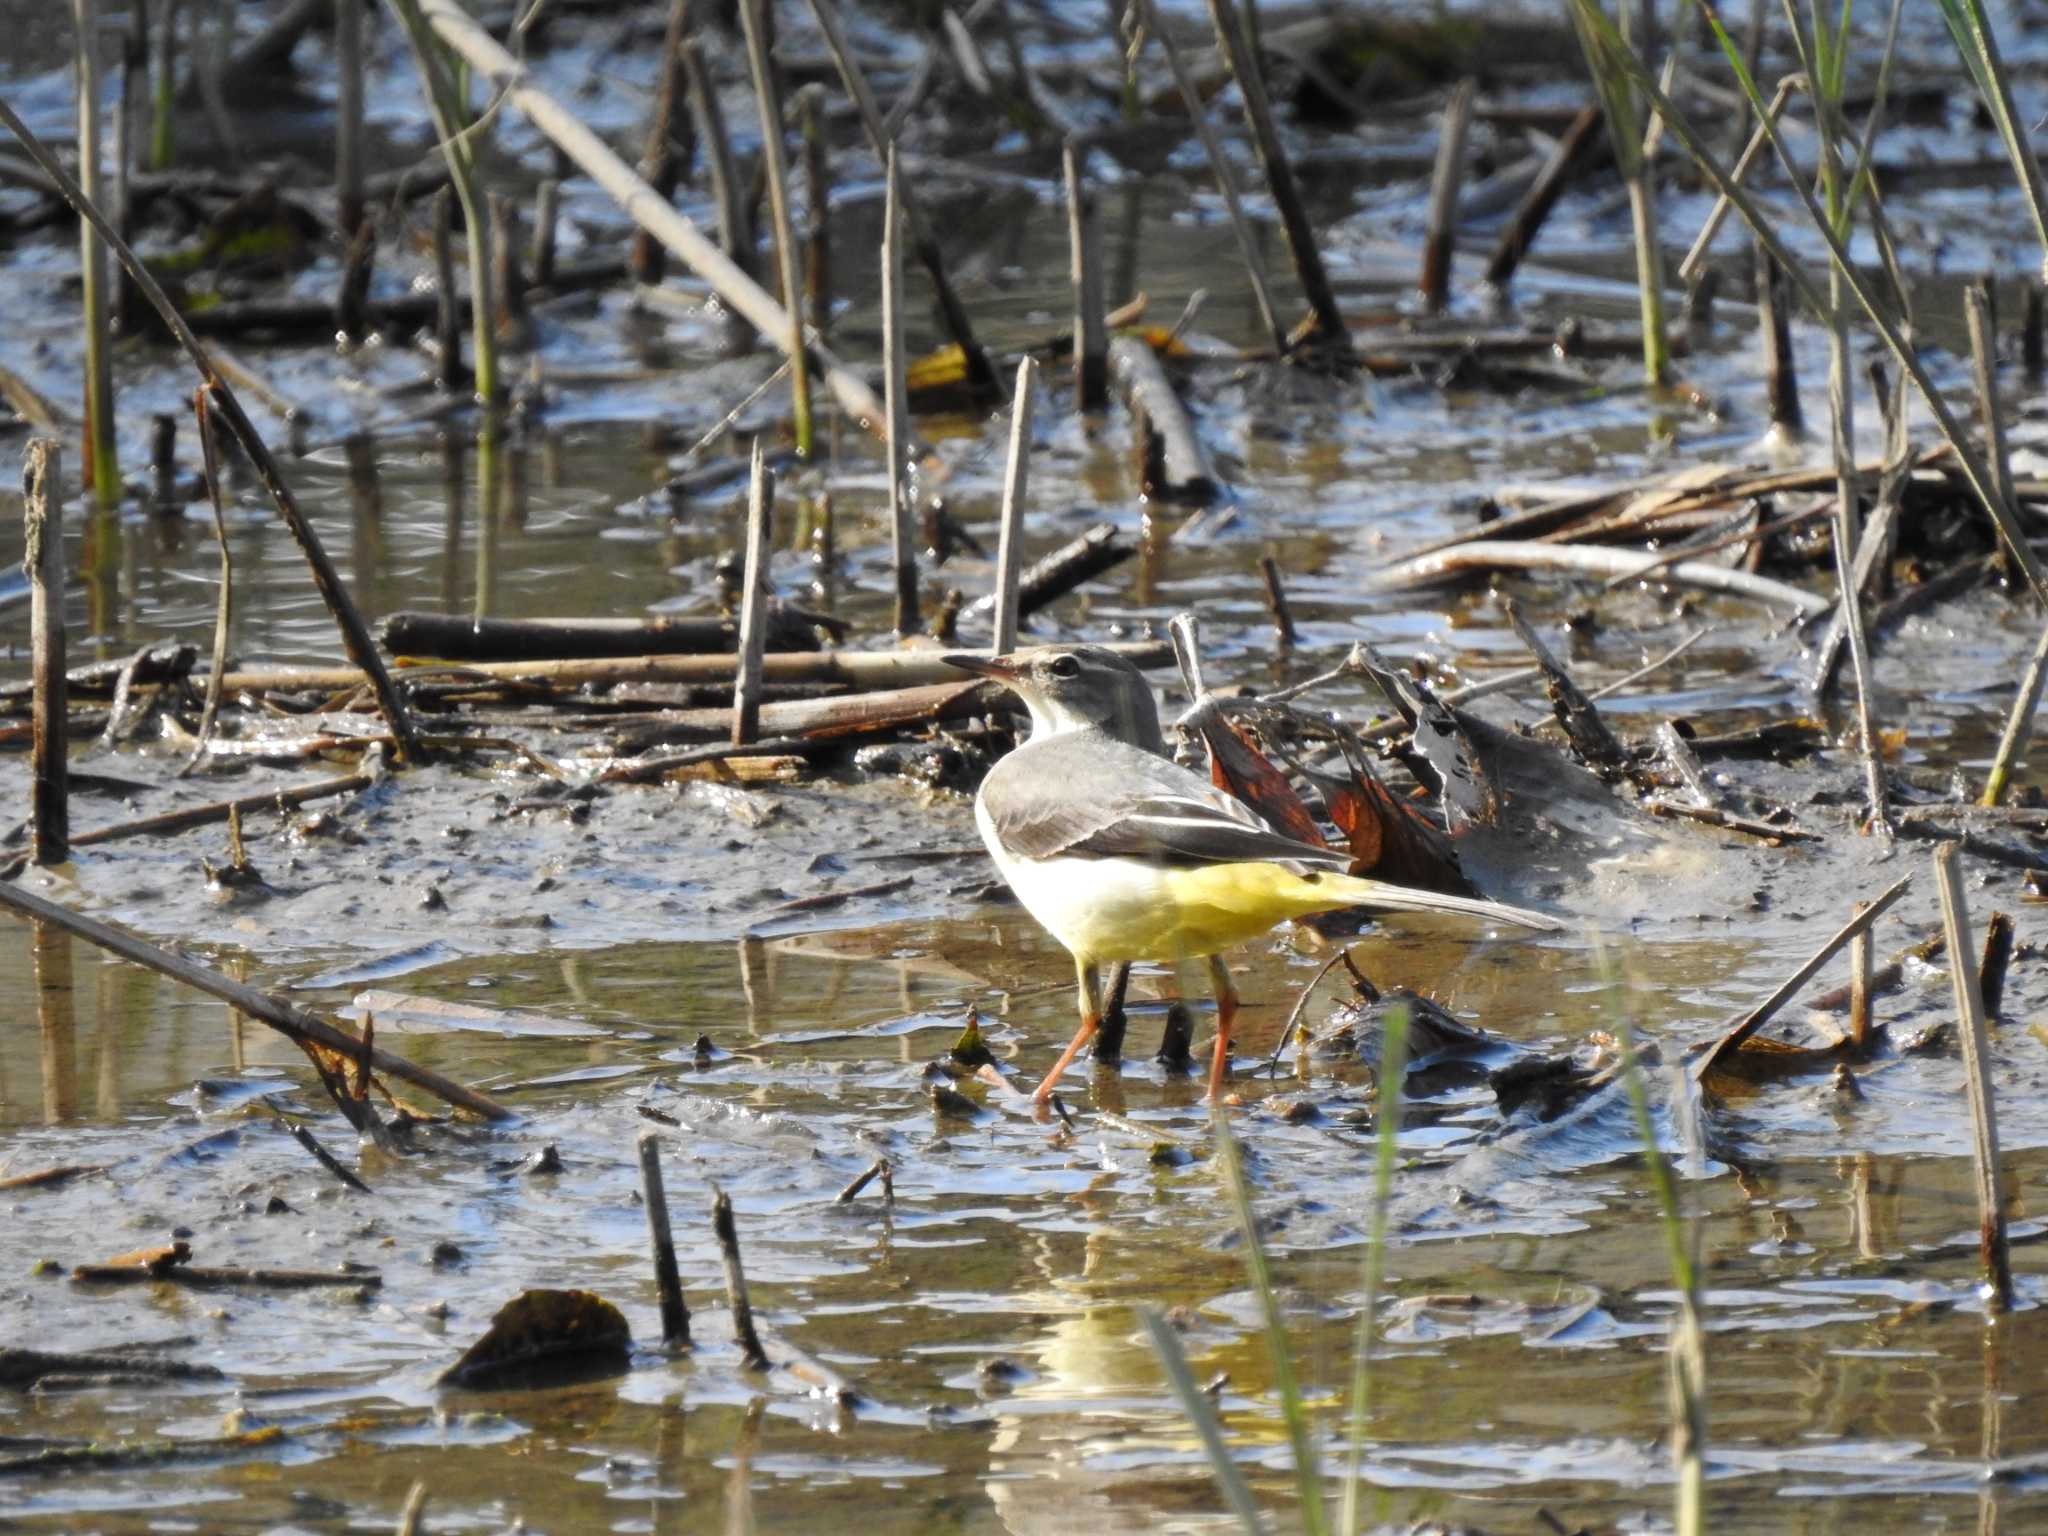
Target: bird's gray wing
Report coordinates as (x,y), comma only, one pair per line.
(1089,794)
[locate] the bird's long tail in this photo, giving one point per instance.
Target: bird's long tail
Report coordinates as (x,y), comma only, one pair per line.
(1356,891)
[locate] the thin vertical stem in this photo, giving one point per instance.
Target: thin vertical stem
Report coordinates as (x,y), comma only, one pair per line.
(1969,998)
(753,638)
(1010,546)
(102,467)
(817,206)
(163,88)
(42,512)
(1084,267)
(775,163)
(348,113)
(668,129)
(675,1315)
(1860,984)
(896,390)
(1442,234)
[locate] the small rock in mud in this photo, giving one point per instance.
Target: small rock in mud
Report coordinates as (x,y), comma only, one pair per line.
(446,1255)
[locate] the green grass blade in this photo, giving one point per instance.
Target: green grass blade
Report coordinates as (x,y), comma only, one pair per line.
(1201,1413)
(1308,1471)
(1393,1071)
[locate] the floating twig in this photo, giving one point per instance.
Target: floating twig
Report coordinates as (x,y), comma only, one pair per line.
(305,1138)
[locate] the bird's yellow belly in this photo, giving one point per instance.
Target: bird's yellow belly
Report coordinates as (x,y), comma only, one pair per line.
(1112,909)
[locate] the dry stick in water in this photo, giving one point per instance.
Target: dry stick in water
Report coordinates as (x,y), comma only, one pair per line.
(896,394)
(1226,179)
(42,519)
(1521,230)
(981,373)
(101,469)
(447,308)
(650,211)
(1084,267)
(1847,582)
(810,114)
(1774,330)
(294,1024)
(1276,602)
(508,280)
(224,607)
(736,1282)
(735,219)
(1962,970)
(670,146)
(1442,233)
(775,165)
(746,693)
(1010,542)
(1329,333)
(1172,465)
(675,1316)
(547,210)
(1860,984)
(1079,560)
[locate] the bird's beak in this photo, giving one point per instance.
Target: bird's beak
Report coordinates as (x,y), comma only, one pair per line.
(1002,668)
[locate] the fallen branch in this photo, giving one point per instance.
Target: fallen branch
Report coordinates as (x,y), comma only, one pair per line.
(1583,560)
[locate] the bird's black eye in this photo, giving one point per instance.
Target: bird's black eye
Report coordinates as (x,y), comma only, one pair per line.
(1064,666)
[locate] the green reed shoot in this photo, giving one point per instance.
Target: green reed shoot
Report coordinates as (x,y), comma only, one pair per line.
(1621,101)
(1970,27)
(446,94)
(1308,1470)
(1201,1413)
(1393,1071)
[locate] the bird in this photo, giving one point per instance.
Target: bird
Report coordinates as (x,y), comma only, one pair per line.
(1122,854)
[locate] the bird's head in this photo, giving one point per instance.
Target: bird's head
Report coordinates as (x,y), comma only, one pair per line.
(1075,688)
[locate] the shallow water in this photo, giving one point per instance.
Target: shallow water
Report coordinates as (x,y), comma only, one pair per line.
(988,1313)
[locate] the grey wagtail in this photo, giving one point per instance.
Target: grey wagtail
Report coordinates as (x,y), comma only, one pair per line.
(1122,854)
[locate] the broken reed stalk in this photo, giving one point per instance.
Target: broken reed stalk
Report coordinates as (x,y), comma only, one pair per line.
(896,394)
(1328,334)
(1010,541)
(453,129)
(1226,179)
(817,148)
(1390,1077)
(1276,602)
(102,469)
(306,1139)
(2034,333)
(1535,208)
(1084,268)
(348,114)
(224,607)
(411,1516)
(652,212)
(1774,330)
(1984,375)
(2012,741)
(775,167)
(735,219)
(746,694)
(1442,231)
(294,1024)
(1860,950)
(981,373)
(42,518)
(1695,258)
(507,278)
(1962,970)
(670,147)
(744,1332)
(547,212)
(675,1315)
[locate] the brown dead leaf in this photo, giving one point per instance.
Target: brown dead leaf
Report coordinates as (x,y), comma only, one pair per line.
(1241,769)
